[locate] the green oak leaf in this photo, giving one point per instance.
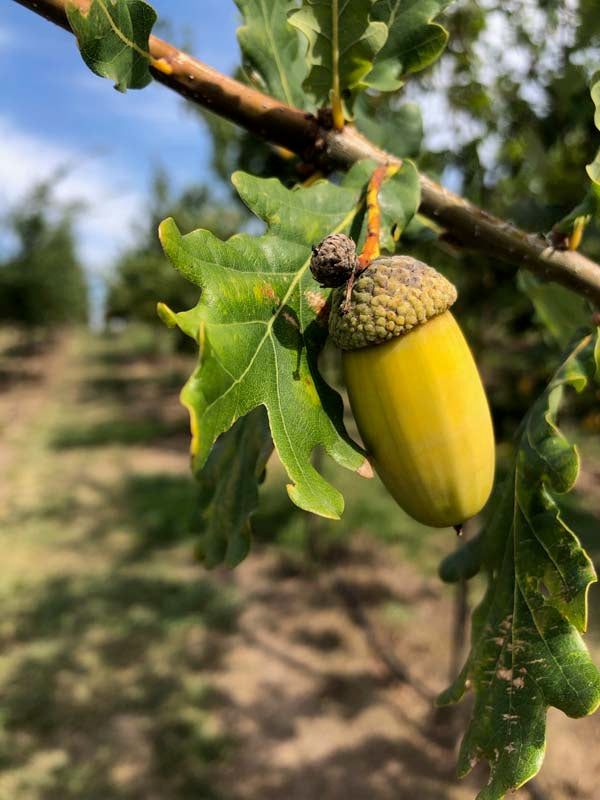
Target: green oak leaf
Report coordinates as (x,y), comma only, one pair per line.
(593,169)
(595,92)
(527,653)
(228,490)
(273,49)
(413,43)
(398,130)
(259,327)
(113,40)
(561,311)
(589,207)
(358,40)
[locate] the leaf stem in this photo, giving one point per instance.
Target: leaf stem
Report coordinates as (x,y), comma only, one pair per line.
(370,249)
(371,246)
(337,110)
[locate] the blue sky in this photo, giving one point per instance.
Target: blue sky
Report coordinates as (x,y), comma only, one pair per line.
(55,112)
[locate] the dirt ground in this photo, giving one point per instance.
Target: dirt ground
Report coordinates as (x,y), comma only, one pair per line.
(127,671)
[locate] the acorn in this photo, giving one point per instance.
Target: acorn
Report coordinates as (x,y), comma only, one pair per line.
(414,389)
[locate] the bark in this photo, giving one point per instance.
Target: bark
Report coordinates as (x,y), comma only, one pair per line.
(316,142)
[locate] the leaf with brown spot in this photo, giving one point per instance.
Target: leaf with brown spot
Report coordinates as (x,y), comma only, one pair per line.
(527,651)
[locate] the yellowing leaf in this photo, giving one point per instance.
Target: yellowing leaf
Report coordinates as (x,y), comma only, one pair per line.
(342,42)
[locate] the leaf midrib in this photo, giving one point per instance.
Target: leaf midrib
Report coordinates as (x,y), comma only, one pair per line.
(282,76)
(292,287)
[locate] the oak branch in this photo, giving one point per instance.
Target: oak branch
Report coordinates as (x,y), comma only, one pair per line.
(329,149)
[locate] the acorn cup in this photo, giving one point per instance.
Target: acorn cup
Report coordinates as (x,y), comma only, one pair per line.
(414,389)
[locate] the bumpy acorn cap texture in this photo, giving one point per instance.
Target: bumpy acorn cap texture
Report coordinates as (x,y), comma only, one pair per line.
(393,295)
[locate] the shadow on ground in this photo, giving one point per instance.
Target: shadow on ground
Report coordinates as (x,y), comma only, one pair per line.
(107,677)
(126,431)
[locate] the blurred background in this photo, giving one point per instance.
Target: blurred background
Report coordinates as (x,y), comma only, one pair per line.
(127,670)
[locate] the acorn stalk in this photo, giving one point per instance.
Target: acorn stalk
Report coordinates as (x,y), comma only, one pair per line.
(414,389)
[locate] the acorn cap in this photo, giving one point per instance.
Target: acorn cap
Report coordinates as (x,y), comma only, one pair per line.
(390,297)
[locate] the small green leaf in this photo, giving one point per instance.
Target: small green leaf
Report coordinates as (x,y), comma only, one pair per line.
(359,39)
(229,489)
(593,169)
(273,49)
(527,652)
(413,43)
(595,92)
(561,311)
(399,199)
(464,563)
(398,130)
(113,40)
(258,323)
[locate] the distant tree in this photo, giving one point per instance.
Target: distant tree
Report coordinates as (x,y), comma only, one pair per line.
(143,274)
(42,284)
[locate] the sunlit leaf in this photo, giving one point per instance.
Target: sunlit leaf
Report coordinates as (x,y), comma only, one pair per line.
(593,169)
(358,40)
(273,49)
(113,40)
(413,42)
(527,652)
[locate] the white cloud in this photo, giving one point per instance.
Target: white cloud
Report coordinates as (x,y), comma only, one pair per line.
(7,37)
(112,202)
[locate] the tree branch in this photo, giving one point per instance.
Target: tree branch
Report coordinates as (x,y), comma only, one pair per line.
(327,148)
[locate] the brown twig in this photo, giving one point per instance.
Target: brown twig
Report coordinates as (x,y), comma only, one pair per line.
(328,149)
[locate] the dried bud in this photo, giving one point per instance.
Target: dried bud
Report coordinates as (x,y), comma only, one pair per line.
(333,260)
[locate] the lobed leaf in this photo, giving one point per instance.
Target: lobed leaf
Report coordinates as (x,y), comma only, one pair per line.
(272,48)
(259,327)
(527,652)
(413,42)
(359,39)
(113,40)
(595,92)
(560,310)
(228,493)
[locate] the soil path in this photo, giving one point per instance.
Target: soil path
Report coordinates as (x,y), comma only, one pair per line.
(129,673)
